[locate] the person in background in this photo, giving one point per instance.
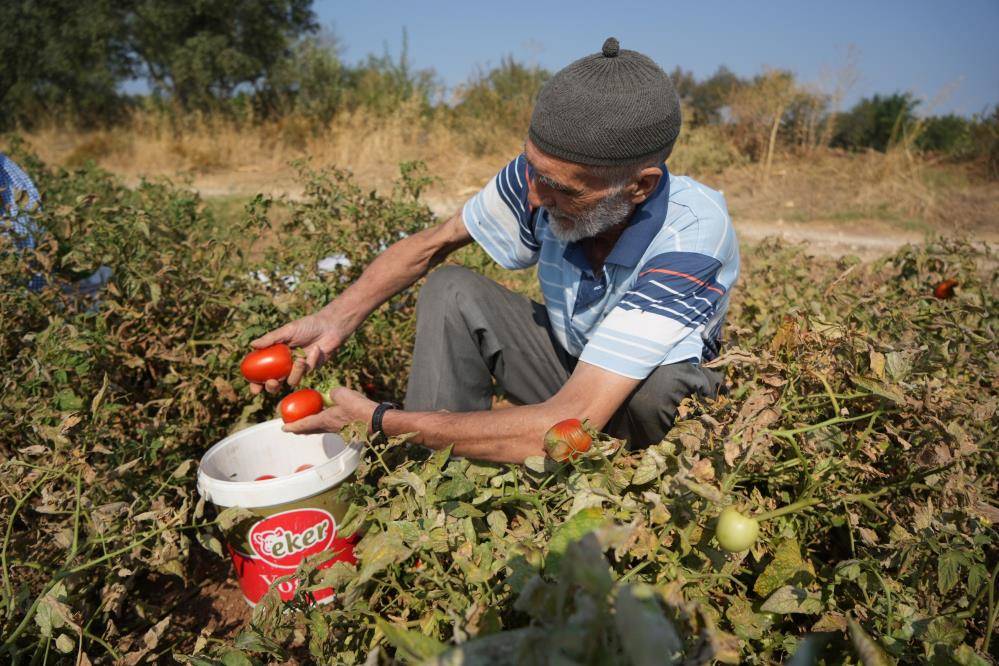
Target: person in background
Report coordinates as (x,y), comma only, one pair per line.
(19,198)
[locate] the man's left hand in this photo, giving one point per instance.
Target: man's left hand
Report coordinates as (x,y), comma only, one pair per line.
(348,406)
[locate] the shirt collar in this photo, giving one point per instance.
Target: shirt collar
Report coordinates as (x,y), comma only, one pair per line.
(645,223)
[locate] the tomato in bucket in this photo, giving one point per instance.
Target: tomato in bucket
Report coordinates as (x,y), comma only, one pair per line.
(295,514)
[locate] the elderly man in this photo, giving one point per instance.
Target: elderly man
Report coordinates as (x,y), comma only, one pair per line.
(636,267)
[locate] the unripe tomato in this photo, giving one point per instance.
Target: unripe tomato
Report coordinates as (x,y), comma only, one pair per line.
(272,362)
(302,468)
(265,477)
(736,532)
(945,289)
(301,403)
(567,439)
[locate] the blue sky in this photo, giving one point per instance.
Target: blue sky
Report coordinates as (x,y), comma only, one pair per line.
(945,53)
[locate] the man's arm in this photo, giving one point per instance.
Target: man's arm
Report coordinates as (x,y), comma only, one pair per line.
(503,435)
(399,266)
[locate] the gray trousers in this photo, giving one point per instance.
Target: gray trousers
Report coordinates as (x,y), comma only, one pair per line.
(470,331)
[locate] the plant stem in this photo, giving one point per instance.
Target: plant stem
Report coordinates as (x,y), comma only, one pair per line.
(828,422)
(6,539)
(790,508)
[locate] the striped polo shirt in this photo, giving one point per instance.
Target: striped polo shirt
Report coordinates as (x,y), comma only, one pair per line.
(664,289)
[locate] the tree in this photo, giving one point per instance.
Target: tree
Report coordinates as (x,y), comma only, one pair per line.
(199,51)
(62,59)
(876,122)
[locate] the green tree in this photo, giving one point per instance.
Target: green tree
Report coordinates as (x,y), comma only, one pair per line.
(199,52)
(876,122)
(706,99)
(62,59)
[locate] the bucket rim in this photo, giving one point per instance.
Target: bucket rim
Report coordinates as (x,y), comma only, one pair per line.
(283,489)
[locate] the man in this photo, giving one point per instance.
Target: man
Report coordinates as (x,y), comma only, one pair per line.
(635,265)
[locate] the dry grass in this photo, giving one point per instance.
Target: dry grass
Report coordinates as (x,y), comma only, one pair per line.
(216,152)
(872,193)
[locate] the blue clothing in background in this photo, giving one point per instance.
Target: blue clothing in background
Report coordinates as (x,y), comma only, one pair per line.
(18,198)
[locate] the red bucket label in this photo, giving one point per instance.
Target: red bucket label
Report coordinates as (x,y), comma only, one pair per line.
(279,543)
(285,539)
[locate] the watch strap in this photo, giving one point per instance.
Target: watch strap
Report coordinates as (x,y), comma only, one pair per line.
(378,415)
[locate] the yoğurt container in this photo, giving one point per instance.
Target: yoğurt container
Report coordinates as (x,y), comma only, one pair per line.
(295,515)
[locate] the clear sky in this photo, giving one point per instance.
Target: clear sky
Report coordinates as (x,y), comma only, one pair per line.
(946,53)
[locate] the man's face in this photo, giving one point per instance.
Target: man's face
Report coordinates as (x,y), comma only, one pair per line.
(580,205)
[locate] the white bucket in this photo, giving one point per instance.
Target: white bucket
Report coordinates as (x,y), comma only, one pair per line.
(295,514)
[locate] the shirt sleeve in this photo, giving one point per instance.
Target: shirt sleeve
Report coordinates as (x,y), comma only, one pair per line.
(500,219)
(660,319)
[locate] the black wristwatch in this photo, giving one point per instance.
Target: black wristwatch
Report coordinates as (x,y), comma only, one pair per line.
(376,418)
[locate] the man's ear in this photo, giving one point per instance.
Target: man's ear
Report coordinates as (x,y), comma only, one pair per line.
(645,184)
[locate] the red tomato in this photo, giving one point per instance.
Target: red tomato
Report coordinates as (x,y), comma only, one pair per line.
(300,404)
(272,362)
(264,477)
(567,439)
(945,289)
(302,468)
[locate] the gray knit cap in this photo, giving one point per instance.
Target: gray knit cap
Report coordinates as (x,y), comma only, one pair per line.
(609,108)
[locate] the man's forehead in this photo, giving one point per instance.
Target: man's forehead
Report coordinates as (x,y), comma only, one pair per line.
(568,173)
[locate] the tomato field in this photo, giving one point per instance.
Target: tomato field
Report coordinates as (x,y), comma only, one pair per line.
(859,418)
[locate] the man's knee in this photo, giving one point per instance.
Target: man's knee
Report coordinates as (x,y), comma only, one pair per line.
(652,408)
(668,385)
(443,289)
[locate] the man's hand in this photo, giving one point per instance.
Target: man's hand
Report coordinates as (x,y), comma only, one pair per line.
(348,406)
(318,334)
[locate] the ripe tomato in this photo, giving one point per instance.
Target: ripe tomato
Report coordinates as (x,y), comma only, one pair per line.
(265,477)
(301,403)
(945,289)
(567,439)
(736,532)
(302,468)
(272,362)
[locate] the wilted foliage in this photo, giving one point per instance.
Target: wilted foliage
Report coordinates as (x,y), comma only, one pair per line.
(860,414)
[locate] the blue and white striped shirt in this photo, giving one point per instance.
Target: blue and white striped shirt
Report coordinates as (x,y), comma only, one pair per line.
(664,289)
(16,187)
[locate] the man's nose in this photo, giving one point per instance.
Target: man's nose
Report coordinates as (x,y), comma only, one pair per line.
(537,194)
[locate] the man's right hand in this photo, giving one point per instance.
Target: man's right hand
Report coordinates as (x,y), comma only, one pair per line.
(318,334)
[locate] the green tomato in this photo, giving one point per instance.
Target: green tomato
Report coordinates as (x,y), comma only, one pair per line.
(736,532)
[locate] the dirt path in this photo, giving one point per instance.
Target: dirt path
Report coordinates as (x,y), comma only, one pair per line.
(867,239)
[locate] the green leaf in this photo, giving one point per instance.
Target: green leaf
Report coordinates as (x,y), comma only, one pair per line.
(879,388)
(68,401)
(571,530)
(786,565)
(649,639)
(235,658)
(508,647)
(948,570)
(791,599)
(65,643)
(378,552)
(411,645)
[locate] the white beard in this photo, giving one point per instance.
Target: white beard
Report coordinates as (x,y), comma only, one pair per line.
(609,212)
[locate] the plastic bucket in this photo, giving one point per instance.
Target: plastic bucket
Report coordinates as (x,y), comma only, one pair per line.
(295,515)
